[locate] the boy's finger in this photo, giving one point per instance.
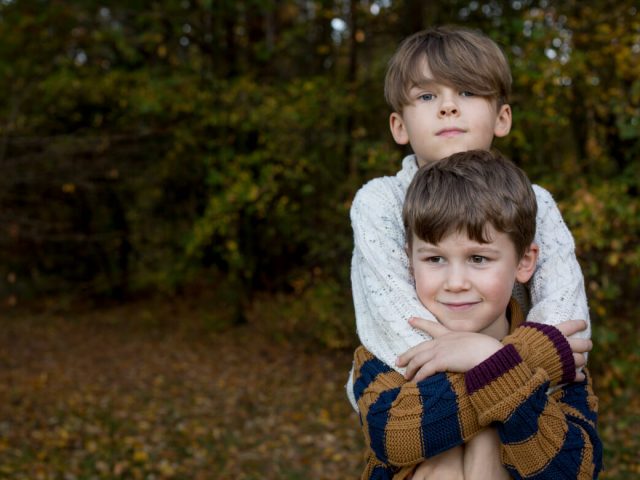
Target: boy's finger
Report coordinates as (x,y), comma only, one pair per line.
(434,329)
(416,363)
(404,359)
(579,360)
(425,372)
(569,327)
(580,345)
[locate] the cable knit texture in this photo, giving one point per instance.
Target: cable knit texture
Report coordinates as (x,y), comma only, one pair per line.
(543,436)
(384,293)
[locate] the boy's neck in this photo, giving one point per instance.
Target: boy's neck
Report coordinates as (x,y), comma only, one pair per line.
(499,329)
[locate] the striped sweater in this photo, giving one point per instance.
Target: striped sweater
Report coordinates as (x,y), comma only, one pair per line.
(543,435)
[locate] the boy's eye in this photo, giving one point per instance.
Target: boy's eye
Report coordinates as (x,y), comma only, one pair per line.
(478,259)
(426,96)
(467,93)
(434,259)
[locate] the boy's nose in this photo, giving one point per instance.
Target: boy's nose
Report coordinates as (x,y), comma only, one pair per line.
(448,109)
(456,280)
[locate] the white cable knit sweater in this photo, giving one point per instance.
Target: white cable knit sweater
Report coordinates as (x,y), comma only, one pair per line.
(384,294)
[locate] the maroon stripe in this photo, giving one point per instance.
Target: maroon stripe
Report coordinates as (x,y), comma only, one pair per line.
(492,368)
(562,347)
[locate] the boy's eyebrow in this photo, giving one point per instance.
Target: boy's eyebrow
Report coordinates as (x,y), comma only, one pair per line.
(481,248)
(424,83)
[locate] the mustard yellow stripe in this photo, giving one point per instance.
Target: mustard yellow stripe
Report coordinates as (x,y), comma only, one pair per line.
(587,466)
(403,432)
(360,356)
(534,454)
(497,400)
(467,416)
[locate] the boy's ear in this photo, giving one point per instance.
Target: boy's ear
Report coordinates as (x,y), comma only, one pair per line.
(398,129)
(527,264)
(503,121)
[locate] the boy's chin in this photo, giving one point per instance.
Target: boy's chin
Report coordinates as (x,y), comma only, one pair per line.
(461,325)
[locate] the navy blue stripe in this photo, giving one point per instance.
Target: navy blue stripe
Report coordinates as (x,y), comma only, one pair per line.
(596,443)
(382,473)
(368,373)
(523,422)
(567,463)
(576,395)
(440,423)
(377,419)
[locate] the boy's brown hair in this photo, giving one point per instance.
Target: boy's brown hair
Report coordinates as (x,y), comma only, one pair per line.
(456,56)
(466,192)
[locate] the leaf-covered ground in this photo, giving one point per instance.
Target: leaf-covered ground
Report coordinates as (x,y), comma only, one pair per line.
(140,393)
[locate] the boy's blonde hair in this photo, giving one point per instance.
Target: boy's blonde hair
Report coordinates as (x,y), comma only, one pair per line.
(465,193)
(456,56)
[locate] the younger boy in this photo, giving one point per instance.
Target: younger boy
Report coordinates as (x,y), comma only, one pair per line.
(470,221)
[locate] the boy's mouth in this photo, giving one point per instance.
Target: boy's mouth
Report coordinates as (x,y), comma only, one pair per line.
(459,306)
(449,132)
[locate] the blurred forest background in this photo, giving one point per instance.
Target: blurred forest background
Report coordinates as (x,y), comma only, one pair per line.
(176,175)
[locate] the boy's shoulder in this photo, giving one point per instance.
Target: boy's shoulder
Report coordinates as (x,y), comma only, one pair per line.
(381,190)
(542,194)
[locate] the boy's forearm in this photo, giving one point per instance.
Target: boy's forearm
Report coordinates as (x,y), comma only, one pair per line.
(383,295)
(543,436)
(405,423)
(557,287)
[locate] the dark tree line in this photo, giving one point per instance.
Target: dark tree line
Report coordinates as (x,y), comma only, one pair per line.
(143,145)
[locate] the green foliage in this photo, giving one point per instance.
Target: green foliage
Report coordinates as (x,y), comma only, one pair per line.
(320,313)
(605,221)
(179,138)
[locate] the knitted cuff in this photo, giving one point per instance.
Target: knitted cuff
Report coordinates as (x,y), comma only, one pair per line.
(544,346)
(498,385)
(492,368)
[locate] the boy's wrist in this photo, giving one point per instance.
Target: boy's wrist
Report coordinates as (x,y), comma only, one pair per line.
(544,346)
(499,384)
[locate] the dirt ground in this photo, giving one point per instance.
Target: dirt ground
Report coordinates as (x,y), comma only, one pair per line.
(121,395)
(129,392)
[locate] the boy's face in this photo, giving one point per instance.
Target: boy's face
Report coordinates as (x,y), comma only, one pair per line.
(442,120)
(467,285)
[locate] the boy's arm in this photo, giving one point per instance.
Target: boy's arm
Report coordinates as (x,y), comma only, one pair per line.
(543,436)
(557,287)
(405,423)
(384,294)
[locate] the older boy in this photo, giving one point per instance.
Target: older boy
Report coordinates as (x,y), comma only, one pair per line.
(470,221)
(448,88)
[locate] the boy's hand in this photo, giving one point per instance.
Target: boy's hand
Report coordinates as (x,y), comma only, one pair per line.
(448,351)
(579,346)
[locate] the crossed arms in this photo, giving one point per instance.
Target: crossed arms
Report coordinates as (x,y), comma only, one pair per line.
(542,435)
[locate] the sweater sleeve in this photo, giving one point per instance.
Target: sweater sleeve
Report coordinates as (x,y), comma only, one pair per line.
(405,422)
(543,436)
(384,294)
(557,287)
